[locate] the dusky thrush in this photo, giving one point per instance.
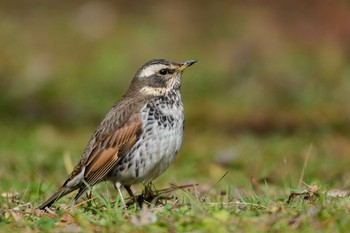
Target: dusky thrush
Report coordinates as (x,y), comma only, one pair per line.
(138,138)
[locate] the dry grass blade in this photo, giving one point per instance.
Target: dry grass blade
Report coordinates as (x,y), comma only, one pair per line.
(173,188)
(308,154)
(152,196)
(81,203)
(206,195)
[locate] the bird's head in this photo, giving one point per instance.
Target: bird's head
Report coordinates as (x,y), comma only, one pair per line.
(158,77)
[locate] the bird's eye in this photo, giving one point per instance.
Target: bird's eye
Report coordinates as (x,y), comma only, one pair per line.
(163,71)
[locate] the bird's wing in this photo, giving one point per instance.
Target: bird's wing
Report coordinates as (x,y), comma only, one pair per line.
(117,133)
(110,147)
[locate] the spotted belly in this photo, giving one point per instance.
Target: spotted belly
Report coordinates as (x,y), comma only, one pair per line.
(156,149)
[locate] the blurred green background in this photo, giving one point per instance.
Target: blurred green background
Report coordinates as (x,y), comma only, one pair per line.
(272,84)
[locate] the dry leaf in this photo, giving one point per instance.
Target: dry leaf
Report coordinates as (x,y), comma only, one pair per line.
(15,216)
(338,193)
(9,195)
(67,218)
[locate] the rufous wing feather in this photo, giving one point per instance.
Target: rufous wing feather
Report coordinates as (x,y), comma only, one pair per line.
(117,133)
(108,150)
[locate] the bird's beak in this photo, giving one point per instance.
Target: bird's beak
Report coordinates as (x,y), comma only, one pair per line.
(185,64)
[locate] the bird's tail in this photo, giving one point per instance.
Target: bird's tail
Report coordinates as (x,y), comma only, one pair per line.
(57,195)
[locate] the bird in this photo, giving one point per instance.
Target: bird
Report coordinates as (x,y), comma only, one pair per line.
(138,138)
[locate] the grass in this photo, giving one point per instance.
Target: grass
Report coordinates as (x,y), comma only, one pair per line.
(266,136)
(226,199)
(226,211)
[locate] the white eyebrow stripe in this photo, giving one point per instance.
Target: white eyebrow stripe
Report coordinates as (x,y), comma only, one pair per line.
(152,69)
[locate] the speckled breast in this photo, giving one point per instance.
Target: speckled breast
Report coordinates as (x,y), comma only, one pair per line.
(160,141)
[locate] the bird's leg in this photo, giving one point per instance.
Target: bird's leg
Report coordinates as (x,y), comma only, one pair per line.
(117,185)
(128,189)
(131,194)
